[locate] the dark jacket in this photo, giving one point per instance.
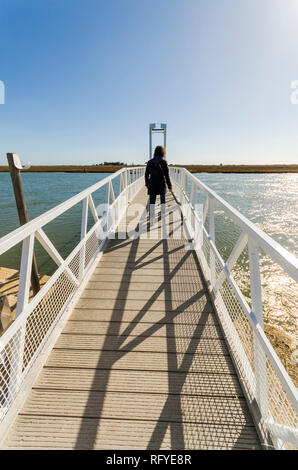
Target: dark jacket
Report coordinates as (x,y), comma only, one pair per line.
(157,176)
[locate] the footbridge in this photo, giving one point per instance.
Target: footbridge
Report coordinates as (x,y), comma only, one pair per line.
(142,338)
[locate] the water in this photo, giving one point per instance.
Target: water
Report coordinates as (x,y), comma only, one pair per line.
(43,191)
(268,200)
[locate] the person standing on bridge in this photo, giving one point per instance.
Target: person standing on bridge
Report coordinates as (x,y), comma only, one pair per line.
(157,178)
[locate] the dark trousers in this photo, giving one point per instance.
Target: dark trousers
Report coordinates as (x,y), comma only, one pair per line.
(153,198)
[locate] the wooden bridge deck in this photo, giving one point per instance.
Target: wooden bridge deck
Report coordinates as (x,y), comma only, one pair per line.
(142,363)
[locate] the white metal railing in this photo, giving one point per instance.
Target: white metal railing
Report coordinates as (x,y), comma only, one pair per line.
(35,321)
(265,379)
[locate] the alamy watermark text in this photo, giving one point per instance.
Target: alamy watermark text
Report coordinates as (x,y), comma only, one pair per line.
(294,94)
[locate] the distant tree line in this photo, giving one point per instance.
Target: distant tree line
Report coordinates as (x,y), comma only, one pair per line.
(110,164)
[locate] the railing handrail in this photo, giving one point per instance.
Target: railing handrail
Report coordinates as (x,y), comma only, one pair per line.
(19,234)
(287,260)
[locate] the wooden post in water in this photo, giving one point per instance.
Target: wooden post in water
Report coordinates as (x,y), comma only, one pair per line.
(15,173)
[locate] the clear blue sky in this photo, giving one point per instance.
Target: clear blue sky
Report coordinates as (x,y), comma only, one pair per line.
(84,78)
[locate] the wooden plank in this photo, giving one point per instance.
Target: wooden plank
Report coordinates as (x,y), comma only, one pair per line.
(152,258)
(140,247)
(140,361)
(167,264)
(139,406)
(147,276)
(158,305)
(170,274)
(177,253)
(152,343)
(138,285)
(159,294)
(138,250)
(140,381)
(119,270)
(133,329)
(43,432)
(147,316)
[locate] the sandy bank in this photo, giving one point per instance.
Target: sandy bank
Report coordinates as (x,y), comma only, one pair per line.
(9,286)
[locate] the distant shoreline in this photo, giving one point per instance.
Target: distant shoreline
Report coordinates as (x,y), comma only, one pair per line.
(191,168)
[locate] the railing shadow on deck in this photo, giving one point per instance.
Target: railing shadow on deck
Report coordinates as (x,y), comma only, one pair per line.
(179,439)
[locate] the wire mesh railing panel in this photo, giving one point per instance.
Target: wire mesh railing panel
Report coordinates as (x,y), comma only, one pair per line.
(280,406)
(92,248)
(46,314)
(237,315)
(206,249)
(9,372)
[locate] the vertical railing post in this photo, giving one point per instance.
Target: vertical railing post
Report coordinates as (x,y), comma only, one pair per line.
(122,198)
(108,193)
(187,205)
(111,211)
(212,237)
(257,308)
(128,185)
(125,200)
(25,272)
(181,186)
(23,298)
(83,236)
(130,176)
(198,230)
(192,206)
(184,182)
(205,209)
(192,193)
(185,190)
